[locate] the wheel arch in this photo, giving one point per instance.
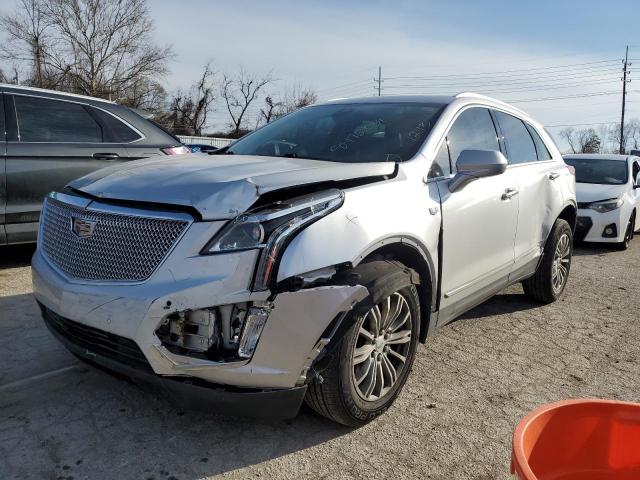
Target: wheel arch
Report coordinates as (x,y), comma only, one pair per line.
(570,214)
(412,254)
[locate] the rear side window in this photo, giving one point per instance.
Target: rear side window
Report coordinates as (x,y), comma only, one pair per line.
(517,139)
(472,130)
(115,131)
(44,120)
(541,148)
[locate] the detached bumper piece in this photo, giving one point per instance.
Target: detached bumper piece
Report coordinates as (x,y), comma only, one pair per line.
(123,356)
(583,225)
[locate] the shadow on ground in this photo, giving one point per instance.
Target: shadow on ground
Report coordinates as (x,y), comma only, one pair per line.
(16,255)
(78,422)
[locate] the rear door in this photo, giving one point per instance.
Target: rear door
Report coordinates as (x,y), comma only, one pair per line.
(540,194)
(3,177)
(50,142)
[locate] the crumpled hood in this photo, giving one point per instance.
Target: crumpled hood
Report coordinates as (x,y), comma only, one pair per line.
(592,192)
(217,186)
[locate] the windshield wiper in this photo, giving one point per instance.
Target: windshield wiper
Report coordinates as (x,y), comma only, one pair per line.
(295,155)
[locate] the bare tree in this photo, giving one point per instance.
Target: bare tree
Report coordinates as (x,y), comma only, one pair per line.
(582,141)
(190,109)
(239,93)
(30,38)
(614,135)
(271,110)
(96,47)
(297,97)
(569,134)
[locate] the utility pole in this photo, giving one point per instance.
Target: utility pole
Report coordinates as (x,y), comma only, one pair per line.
(625,71)
(378,81)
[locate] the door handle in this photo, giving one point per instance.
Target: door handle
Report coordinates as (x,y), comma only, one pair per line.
(106,156)
(509,192)
(553,175)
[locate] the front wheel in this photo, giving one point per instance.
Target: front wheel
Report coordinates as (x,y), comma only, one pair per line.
(550,279)
(369,367)
(628,234)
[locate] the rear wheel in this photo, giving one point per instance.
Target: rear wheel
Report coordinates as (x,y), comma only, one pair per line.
(550,279)
(368,369)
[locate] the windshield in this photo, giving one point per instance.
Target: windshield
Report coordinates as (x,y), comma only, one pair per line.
(358,132)
(604,172)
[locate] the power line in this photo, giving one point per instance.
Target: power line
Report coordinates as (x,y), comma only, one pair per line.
(507,71)
(594,94)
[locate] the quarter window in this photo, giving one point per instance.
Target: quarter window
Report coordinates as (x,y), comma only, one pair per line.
(472,130)
(517,139)
(115,131)
(44,120)
(441,165)
(541,148)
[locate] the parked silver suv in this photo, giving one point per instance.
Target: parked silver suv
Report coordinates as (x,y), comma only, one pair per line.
(308,259)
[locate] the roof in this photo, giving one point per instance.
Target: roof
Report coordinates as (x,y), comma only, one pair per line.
(597,156)
(52,92)
(443,99)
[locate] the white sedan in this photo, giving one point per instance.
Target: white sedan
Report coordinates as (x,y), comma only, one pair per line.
(608,191)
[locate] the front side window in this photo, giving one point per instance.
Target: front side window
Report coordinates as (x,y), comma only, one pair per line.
(472,130)
(44,120)
(599,171)
(517,139)
(349,133)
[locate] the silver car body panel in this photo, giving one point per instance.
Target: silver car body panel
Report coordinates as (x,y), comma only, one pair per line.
(487,244)
(217,186)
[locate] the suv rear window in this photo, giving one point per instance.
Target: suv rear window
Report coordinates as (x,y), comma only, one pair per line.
(541,148)
(44,120)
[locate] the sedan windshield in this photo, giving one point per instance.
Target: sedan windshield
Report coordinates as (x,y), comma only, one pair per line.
(349,133)
(604,172)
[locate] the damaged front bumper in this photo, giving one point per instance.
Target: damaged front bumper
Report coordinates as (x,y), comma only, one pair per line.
(97,323)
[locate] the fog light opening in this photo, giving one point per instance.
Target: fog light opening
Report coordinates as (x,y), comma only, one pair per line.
(253,325)
(610,231)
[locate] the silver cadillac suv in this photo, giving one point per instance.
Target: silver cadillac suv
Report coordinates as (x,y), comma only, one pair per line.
(306,260)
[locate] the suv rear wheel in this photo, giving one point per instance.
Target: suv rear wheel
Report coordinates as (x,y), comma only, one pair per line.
(368,369)
(548,283)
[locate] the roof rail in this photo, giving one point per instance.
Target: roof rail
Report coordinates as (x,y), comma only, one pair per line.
(486,97)
(56,92)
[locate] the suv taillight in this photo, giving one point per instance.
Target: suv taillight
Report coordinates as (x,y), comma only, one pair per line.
(572,170)
(181,150)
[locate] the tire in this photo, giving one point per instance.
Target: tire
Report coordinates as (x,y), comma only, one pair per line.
(336,393)
(628,234)
(545,286)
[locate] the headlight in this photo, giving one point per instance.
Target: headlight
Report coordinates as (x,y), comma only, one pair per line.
(270,228)
(604,207)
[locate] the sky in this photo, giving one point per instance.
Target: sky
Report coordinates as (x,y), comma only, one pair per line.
(528,53)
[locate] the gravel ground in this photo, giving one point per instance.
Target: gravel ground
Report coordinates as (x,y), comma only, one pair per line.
(470,385)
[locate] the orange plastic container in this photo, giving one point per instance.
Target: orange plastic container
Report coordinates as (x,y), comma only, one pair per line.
(578,439)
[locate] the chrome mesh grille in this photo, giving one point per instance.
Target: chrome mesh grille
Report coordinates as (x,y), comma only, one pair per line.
(121,247)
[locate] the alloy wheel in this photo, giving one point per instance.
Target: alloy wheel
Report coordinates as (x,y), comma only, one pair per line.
(561,262)
(381,349)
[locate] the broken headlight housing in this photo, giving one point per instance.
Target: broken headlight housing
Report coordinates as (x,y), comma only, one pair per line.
(271,227)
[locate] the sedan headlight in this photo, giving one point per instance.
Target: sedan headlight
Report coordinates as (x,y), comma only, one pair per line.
(608,206)
(270,228)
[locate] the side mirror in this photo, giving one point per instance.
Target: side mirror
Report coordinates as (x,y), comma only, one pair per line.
(474,164)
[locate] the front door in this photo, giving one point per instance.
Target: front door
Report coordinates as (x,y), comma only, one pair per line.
(51,143)
(478,222)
